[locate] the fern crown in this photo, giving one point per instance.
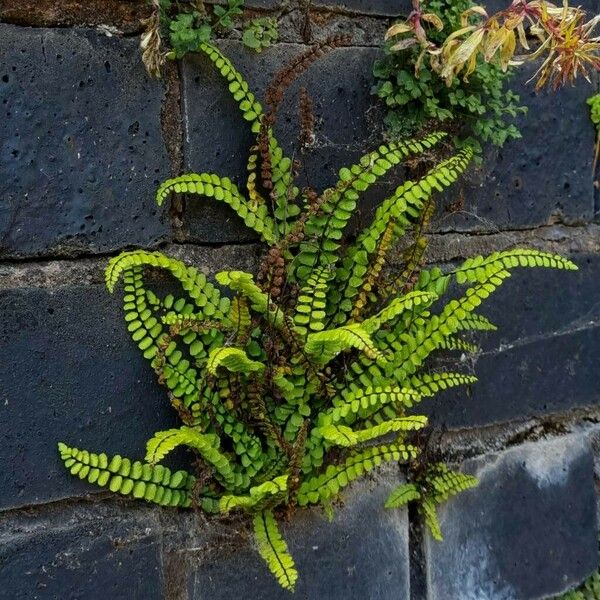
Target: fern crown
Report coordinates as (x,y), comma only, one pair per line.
(293,383)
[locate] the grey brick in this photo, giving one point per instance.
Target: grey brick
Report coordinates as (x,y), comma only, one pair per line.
(69,373)
(544,177)
(541,359)
(82,149)
(70,553)
(363,553)
(217,138)
(527,531)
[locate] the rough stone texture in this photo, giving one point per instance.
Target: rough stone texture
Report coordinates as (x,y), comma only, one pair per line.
(81,149)
(363,553)
(122,15)
(524,184)
(69,373)
(369,7)
(526,532)
(541,358)
(217,138)
(92,553)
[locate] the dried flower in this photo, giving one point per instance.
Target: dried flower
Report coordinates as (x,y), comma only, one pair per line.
(566,40)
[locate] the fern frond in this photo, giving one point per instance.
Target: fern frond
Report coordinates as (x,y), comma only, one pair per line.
(429,384)
(408,199)
(250,107)
(325,229)
(243,283)
(310,308)
(255,216)
(322,487)
(274,550)
(362,403)
(475,322)
(153,483)
(340,435)
(443,483)
(429,514)
(269,490)
(239,318)
(207,445)
(326,345)
(396,307)
(479,268)
(456,343)
(232,359)
(204,294)
(402,495)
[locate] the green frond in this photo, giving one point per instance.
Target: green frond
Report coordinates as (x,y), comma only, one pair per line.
(310,308)
(396,307)
(326,345)
(474,322)
(271,490)
(456,343)
(207,445)
(360,404)
(402,495)
(234,360)
(239,317)
(325,229)
(443,483)
(327,485)
(255,216)
(153,483)
(274,550)
(401,209)
(341,435)
(429,514)
(204,294)
(249,106)
(243,283)
(429,384)
(479,268)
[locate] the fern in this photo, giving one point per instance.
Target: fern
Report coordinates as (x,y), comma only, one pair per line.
(295,382)
(274,551)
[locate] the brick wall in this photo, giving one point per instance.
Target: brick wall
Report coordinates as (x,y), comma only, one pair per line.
(86,137)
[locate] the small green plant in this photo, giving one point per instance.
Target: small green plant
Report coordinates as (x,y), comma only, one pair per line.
(594,104)
(293,383)
(588,590)
(479,109)
(260,33)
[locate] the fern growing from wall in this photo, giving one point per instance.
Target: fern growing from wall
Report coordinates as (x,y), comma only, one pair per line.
(292,383)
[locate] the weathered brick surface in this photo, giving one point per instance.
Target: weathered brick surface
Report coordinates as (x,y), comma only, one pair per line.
(541,359)
(363,553)
(69,373)
(526,532)
(81,144)
(527,183)
(91,553)
(218,139)
(365,7)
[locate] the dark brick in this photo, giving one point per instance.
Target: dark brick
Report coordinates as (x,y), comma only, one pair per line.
(217,138)
(82,149)
(90,553)
(541,359)
(527,531)
(363,553)
(542,178)
(69,373)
